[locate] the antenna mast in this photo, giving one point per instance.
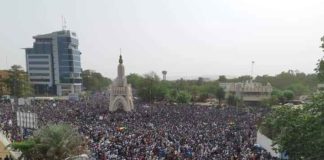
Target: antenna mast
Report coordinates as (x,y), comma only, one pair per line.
(63,23)
(252,69)
(7,62)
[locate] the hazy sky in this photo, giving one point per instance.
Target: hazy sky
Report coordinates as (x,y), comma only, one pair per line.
(184,37)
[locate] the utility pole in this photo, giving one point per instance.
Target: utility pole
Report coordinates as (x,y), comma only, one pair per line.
(252,70)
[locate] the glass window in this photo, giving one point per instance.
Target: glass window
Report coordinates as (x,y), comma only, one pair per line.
(37,57)
(35,62)
(39,74)
(38,68)
(39,80)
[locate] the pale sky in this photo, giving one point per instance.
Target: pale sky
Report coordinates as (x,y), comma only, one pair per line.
(184,37)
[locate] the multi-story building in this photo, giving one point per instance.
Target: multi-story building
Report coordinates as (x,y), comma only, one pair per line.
(53,64)
(249,92)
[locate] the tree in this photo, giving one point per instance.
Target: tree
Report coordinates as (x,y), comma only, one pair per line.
(171,96)
(18,82)
(183,97)
(279,96)
(288,95)
(161,90)
(298,131)
(54,141)
(299,83)
(320,65)
(149,88)
(232,100)
(298,89)
(220,94)
(94,81)
(320,70)
(135,80)
(194,91)
(240,79)
(222,78)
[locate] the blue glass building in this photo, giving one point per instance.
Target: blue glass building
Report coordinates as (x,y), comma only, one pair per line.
(54,64)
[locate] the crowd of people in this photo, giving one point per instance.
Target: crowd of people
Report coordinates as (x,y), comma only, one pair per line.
(156,131)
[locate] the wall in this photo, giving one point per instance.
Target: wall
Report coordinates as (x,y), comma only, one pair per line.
(266,143)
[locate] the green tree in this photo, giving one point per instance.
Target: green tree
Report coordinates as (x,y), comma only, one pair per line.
(320,70)
(94,81)
(320,65)
(171,96)
(299,83)
(278,95)
(222,78)
(18,82)
(220,94)
(298,131)
(135,80)
(232,100)
(161,90)
(240,79)
(194,91)
(149,89)
(273,100)
(298,89)
(288,95)
(54,141)
(183,97)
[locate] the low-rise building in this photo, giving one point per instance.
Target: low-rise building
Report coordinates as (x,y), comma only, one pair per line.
(249,92)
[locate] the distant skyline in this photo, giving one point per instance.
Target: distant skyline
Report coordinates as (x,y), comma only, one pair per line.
(186,38)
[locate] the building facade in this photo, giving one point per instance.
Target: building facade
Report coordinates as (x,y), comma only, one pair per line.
(249,92)
(54,65)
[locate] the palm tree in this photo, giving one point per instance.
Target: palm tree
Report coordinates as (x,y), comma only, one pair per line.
(54,141)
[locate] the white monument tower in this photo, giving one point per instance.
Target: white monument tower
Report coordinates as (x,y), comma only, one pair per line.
(120,92)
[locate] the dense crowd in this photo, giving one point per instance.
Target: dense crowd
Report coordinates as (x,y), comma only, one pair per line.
(156,131)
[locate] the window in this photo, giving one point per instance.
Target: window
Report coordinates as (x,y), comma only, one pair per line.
(38,68)
(37,57)
(39,74)
(66,57)
(70,80)
(65,69)
(35,62)
(66,63)
(39,80)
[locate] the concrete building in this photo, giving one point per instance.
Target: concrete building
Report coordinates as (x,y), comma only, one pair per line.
(121,96)
(249,92)
(320,87)
(53,64)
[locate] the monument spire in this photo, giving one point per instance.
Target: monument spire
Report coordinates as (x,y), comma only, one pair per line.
(120,92)
(120,59)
